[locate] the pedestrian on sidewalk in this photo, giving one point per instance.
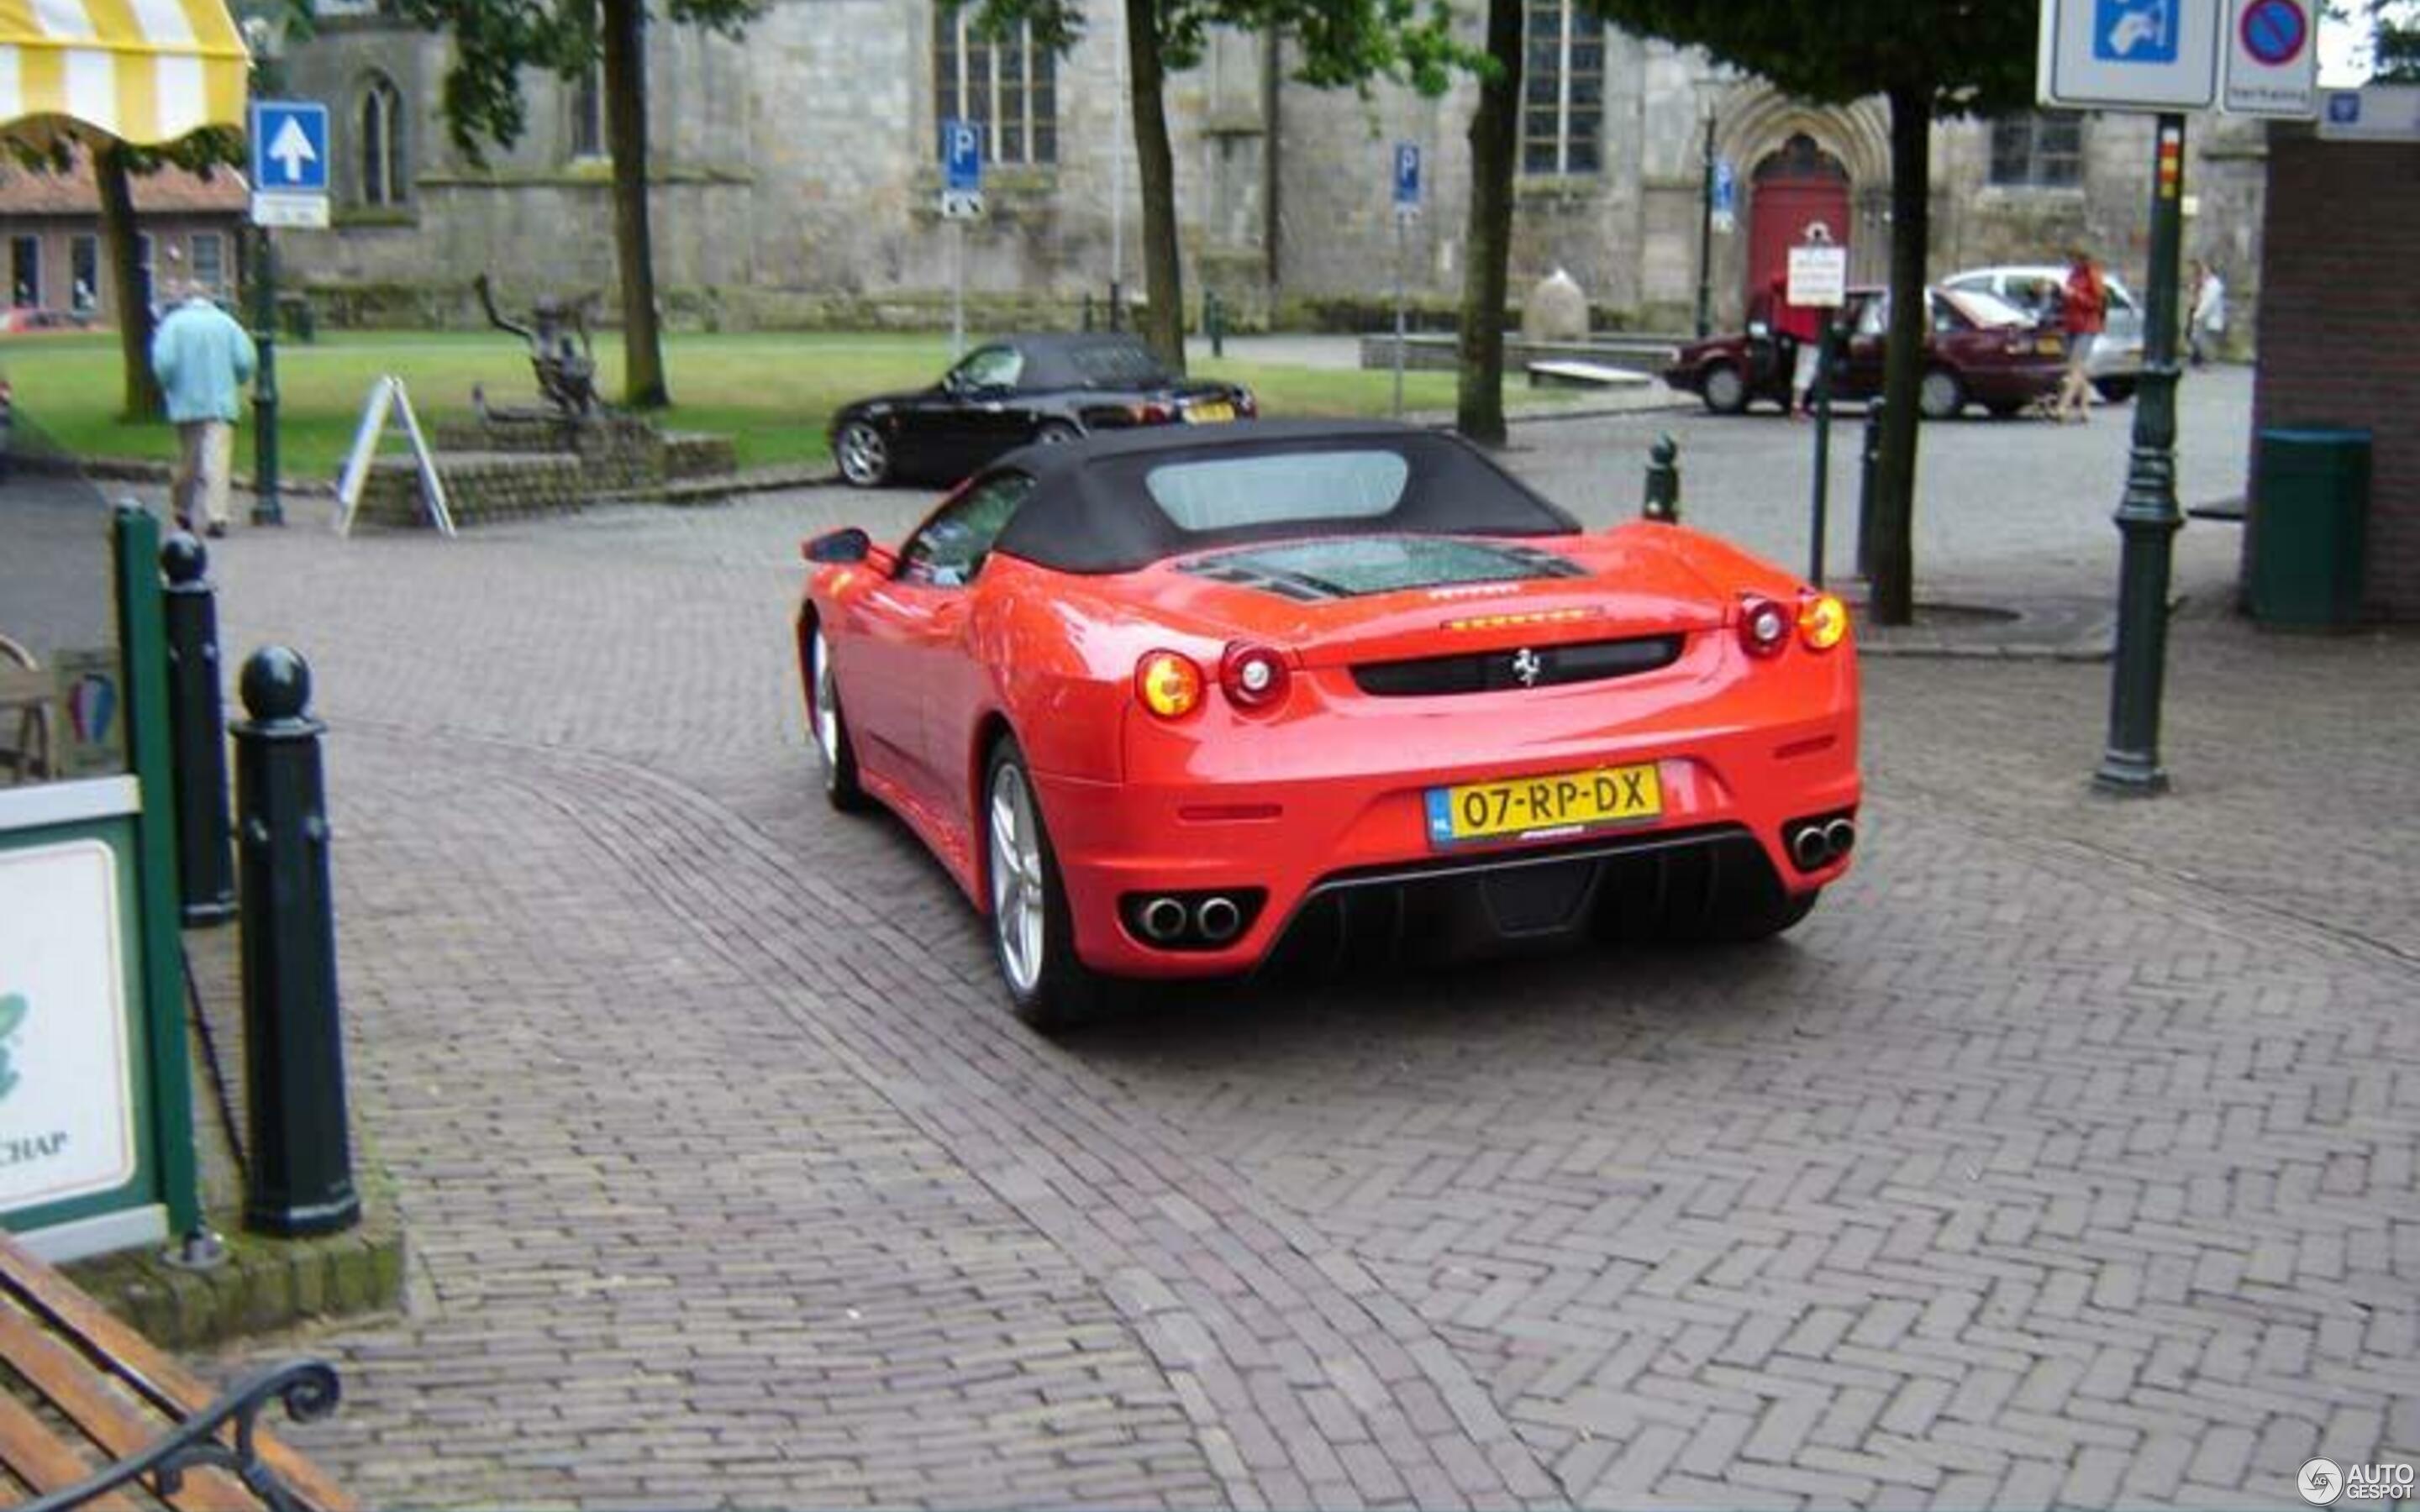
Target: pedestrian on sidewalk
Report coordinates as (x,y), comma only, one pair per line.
(2206,326)
(203,359)
(2083,312)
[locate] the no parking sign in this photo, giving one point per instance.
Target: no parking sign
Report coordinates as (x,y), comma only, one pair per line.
(2273,60)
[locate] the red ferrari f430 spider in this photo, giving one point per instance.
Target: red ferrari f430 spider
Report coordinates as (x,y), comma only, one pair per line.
(1179,703)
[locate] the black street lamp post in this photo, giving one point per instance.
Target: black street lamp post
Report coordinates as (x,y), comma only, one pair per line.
(1706,234)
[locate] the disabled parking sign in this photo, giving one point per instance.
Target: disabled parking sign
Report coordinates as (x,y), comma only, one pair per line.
(2134,31)
(2131,55)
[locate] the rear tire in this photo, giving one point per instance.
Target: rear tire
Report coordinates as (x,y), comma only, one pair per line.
(1056,433)
(1748,924)
(1032,933)
(1941,395)
(1724,387)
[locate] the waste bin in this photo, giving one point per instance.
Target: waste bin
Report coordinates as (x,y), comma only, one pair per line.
(2311,506)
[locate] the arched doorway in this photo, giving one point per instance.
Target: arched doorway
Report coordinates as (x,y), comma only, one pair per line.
(1796,189)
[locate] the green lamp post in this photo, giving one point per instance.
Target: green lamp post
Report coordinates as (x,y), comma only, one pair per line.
(266,36)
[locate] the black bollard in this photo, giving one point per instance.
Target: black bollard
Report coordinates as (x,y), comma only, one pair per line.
(1871,466)
(1662,480)
(1214,315)
(198,732)
(1088,312)
(299,1177)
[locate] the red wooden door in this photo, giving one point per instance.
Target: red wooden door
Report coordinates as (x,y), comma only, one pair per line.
(1796,189)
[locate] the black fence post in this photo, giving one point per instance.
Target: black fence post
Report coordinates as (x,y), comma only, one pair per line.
(1214,320)
(198,733)
(1871,466)
(1088,312)
(299,1177)
(1662,480)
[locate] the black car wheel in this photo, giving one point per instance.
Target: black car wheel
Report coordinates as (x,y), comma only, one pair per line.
(863,456)
(1941,395)
(1725,389)
(1056,433)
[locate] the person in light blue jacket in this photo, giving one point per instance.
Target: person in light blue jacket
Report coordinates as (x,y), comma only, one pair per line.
(203,357)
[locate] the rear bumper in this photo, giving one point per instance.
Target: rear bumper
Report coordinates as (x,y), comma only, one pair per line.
(1314,843)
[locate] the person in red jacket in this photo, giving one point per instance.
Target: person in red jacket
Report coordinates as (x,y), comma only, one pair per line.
(2083,311)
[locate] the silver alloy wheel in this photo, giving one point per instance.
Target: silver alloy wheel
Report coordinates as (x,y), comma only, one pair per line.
(865,460)
(1057,433)
(826,711)
(1016,895)
(1941,395)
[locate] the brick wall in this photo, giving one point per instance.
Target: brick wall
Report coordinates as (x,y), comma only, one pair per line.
(2340,330)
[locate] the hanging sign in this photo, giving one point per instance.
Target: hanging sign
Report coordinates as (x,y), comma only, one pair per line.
(67,1079)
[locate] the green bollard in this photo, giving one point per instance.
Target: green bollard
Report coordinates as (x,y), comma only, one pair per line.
(1662,480)
(1215,317)
(299,1177)
(198,729)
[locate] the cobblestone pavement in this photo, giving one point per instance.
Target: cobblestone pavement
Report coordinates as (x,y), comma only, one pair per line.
(2064,1156)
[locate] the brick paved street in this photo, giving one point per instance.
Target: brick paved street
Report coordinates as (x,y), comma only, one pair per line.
(2066,1156)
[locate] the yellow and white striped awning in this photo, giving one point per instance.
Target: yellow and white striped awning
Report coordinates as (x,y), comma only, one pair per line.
(145,72)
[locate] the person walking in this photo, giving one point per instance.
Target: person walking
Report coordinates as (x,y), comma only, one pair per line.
(2206,327)
(203,357)
(2083,312)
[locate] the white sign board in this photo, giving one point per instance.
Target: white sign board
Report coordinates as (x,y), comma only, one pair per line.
(2272,59)
(962,204)
(2381,113)
(308,212)
(2130,55)
(67,1079)
(1819,276)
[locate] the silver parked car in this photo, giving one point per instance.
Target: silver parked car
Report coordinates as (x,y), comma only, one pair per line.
(2117,361)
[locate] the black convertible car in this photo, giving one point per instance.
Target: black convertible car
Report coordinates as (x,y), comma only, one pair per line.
(1016,390)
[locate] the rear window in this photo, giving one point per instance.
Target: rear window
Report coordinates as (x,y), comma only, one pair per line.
(1239,492)
(1989,309)
(1117,365)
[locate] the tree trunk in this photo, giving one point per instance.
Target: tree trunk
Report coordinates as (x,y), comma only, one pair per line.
(1894,517)
(132,302)
(626,126)
(1478,410)
(1163,280)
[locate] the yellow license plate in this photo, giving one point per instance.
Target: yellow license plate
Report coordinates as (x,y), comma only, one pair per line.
(1538,808)
(2050,346)
(1206,414)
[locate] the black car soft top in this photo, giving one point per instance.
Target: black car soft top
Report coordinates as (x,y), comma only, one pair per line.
(1089,511)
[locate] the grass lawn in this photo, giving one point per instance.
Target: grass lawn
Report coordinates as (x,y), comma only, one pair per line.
(772,392)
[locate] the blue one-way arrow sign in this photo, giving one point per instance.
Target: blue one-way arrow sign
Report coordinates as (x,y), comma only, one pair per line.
(289,146)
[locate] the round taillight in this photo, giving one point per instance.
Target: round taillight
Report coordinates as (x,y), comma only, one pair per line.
(1764,626)
(1822,622)
(1254,676)
(1169,684)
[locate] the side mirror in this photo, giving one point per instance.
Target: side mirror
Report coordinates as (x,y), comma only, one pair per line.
(838,547)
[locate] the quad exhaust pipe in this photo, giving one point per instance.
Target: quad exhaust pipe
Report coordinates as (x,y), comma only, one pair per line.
(1163,921)
(1817,844)
(1217,918)
(1190,920)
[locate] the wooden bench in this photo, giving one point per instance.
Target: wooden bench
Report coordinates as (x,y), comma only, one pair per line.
(95,1415)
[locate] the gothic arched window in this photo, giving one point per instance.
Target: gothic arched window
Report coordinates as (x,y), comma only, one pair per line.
(382,139)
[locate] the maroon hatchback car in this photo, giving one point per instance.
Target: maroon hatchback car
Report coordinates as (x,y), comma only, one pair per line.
(1978,350)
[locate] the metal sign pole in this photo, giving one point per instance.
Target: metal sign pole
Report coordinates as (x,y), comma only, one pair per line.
(2146,515)
(1399,317)
(958,289)
(1823,395)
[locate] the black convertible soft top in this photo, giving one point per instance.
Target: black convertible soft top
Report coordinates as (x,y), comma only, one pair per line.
(1092,509)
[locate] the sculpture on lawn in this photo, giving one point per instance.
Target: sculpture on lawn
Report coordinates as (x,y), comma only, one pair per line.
(560,352)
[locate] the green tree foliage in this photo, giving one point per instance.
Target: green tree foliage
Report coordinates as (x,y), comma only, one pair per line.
(482,102)
(1928,58)
(2394,41)
(1336,43)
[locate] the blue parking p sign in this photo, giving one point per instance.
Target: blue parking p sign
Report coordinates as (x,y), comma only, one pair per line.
(1407,173)
(961,155)
(289,146)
